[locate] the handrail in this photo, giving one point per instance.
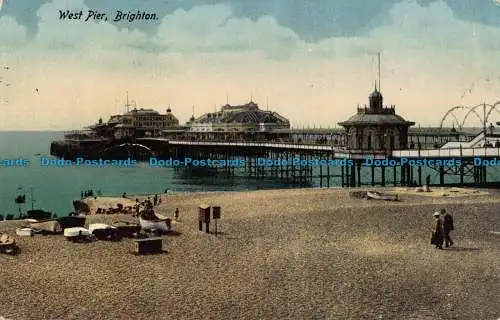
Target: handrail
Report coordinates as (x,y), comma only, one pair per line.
(408,153)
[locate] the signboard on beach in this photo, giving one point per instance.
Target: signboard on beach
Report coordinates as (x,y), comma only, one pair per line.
(204,213)
(216,212)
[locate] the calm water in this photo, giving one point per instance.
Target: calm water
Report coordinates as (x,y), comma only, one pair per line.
(55,188)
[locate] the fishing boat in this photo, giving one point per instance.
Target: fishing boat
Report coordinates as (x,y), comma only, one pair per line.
(24,232)
(149,220)
(46,226)
(381,196)
(127,229)
(36,214)
(104,231)
(72,221)
(8,244)
(77,234)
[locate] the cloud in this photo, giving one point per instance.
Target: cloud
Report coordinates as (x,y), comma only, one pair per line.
(56,34)
(12,33)
(429,59)
(414,29)
(210,29)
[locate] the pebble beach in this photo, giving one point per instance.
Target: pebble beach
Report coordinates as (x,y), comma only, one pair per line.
(279,254)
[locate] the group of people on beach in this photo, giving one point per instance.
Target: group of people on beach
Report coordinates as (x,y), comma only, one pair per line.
(441,229)
(88,193)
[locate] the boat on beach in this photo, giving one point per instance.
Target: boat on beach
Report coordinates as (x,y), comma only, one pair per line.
(24,232)
(104,231)
(72,221)
(381,196)
(46,226)
(127,229)
(77,234)
(38,214)
(149,220)
(8,244)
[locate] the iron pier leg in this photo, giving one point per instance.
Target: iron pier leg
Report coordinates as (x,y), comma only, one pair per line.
(419,175)
(461,174)
(359,173)
(353,175)
(342,175)
(383,176)
(410,175)
(403,175)
(441,175)
(328,176)
(373,175)
(321,176)
(394,173)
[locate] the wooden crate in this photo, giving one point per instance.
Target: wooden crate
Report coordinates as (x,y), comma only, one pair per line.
(148,246)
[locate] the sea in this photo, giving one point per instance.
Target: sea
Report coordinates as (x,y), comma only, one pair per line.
(54,188)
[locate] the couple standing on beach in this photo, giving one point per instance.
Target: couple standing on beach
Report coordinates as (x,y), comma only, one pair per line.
(442,229)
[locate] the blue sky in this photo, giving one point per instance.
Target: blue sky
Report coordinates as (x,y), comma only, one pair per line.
(298,55)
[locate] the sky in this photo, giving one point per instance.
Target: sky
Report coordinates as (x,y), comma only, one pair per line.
(312,61)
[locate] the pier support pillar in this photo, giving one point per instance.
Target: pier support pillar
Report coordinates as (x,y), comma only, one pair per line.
(403,175)
(383,176)
(461,174)
(353,176)
(394,175)
(441,175)
(342,168)
(328,176)
(321,176)
(409,176)
(359,173)
(419,171)
(373,175)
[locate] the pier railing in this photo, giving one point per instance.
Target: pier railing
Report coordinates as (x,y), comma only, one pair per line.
(340,152)
(255,144)
(448,153)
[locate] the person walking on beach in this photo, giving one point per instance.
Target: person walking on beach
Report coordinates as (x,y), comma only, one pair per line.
(438,234)
(447,227)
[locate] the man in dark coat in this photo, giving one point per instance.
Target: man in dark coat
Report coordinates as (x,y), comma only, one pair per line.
(438,234)
(447,227)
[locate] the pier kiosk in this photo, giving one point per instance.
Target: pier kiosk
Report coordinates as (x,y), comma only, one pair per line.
(374,130)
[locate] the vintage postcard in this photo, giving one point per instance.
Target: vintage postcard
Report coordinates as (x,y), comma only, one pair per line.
(236,159)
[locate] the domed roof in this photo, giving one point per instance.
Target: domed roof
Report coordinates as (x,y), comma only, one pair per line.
(169,110)
(248,114)
(376,119)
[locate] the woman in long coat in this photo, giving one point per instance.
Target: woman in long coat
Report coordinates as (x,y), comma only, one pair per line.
(438,232)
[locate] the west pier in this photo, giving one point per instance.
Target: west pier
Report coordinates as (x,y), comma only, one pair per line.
(375,147)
